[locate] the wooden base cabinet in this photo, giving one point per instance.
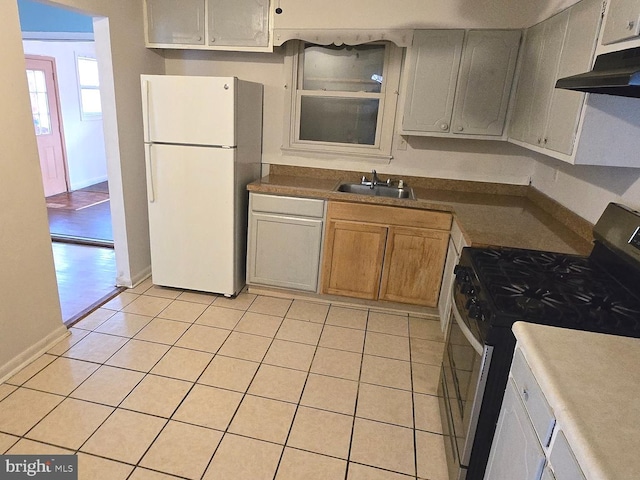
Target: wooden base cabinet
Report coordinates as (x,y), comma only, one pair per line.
(387,253)
(413,265)
(354,253)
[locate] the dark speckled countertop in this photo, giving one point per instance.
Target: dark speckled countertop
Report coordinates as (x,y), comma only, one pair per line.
(487,213)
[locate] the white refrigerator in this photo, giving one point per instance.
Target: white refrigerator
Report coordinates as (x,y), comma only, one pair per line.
(203,144)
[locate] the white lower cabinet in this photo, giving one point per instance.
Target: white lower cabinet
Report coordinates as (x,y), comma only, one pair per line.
(456,244)
(516,452)
(529,444)
(285,241)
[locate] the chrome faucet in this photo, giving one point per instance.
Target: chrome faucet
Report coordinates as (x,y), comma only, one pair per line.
(374,180)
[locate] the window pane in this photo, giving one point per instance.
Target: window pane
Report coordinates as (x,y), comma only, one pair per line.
(339,120)
(91,101)
(345,68)
(41,85)
(39,102)
(88,72)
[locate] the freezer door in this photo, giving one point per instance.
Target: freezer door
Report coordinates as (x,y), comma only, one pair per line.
(189,110)
(191,217)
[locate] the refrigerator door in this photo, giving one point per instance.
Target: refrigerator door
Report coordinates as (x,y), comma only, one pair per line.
(189,110)
(191,217)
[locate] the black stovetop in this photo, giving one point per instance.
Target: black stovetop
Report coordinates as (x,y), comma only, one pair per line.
(557,289)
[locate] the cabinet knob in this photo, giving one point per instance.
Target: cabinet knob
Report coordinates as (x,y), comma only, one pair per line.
(460,128)
(539,140)
(213,39)
(525,394)
(630,24)
(545,141)
(444,126)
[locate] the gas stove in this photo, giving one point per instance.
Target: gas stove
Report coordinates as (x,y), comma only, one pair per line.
(501,286)
(496,287)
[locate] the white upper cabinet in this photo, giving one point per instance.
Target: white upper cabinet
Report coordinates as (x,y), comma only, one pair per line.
(539,70)
(432,72)
(623,21)
(544,118)
(239,22)
(209,24)
(484,86)
(459,83)
(179,22)
(577,57)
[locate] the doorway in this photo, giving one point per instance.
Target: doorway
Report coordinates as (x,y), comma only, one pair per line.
(62,75)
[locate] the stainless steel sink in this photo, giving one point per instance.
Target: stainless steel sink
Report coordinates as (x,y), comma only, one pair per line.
(377,190)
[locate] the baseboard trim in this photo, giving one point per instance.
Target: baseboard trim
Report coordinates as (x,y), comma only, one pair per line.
(23,359)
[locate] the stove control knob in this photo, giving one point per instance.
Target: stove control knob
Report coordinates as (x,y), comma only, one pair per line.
(467,289)
(475,311)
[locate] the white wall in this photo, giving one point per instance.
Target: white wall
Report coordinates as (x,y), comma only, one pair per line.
(83,138)
(29,307)
(587,190)
(430,157)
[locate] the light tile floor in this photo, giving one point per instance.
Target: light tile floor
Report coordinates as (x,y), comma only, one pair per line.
(161,384)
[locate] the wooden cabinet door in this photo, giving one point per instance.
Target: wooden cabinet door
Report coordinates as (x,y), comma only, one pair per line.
(432,68)
(175,22)
(515,452)
(623,21)
(353,255)
(413,265)
(484,86)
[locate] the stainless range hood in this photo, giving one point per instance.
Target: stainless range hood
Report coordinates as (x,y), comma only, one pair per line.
(615,73)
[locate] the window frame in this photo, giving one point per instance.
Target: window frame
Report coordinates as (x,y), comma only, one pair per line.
(84,114)
(388,100)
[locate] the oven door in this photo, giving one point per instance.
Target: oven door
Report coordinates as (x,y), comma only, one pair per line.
(462,385)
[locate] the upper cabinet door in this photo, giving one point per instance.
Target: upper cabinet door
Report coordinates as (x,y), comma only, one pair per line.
(238,23)
(175,21)
(545,80)
(623,21)
(486,75)
(432,70)
(531,57)
(577,57)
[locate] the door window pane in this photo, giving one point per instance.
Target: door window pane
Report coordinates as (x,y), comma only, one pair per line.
(344,68)
(39,101)
(339,120)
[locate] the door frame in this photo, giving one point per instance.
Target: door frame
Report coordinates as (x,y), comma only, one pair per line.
(56,92)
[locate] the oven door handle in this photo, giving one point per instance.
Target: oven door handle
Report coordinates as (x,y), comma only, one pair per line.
(475,343)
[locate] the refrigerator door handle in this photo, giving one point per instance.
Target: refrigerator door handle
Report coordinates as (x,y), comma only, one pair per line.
(147,94)
(151,194)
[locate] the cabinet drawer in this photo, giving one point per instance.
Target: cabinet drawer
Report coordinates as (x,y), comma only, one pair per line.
(533,399)
(562,460)
(379,214)
(306,207)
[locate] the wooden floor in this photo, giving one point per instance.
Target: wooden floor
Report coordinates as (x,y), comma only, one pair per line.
(80,227)
(86,277)
(83,215)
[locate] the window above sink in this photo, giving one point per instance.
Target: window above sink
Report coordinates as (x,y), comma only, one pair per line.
(342,98)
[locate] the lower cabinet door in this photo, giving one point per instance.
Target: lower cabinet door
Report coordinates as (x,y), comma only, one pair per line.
(284,251)
(413,265)
(515,452)
(353,257)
